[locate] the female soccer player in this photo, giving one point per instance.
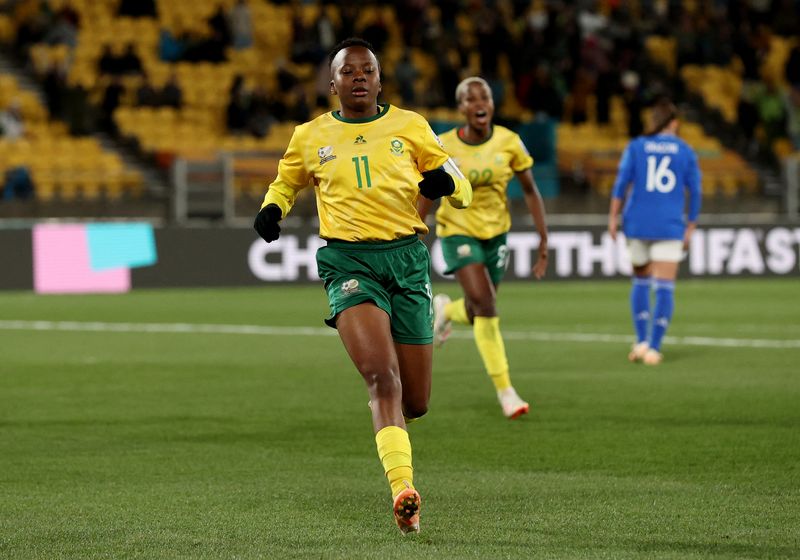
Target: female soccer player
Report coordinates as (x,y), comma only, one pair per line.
(369,163)
(474,240)
(661,168)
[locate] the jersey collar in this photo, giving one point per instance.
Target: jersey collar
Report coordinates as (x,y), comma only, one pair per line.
(384,109)
(458,135)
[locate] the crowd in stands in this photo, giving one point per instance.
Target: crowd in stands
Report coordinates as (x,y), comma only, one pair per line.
(554,59)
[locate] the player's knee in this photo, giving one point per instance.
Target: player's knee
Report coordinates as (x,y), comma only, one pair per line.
(382,380)
(483,306)
(415,409)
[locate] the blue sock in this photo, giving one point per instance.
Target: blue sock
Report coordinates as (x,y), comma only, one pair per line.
(640,306)
(665,302)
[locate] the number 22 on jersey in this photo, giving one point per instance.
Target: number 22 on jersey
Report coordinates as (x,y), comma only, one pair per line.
(659,176)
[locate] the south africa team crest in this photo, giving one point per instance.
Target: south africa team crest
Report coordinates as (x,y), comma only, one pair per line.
(325,154)
(350,286)
(397,147)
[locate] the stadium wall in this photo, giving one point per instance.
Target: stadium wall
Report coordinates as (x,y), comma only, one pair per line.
(118,259)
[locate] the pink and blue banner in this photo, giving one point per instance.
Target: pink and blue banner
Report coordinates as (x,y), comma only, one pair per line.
(90,258)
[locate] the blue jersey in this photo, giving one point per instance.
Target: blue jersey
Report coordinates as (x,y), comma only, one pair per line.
(662,168)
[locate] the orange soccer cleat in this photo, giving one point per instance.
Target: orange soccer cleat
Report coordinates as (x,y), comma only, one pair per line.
(406,510)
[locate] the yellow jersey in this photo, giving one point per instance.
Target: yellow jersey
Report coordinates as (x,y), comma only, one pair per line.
(489,166)
(365,173)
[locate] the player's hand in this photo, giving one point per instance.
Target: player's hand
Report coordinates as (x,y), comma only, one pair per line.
(540,268)
(436,184)
(266,223)
(687,236)
(612,227)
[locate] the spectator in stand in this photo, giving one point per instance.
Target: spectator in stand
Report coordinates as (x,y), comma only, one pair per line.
(220,27)
(377,32)
(129,62)
(297,109)
(237,112)
(65,30)
(146,94)
(543,96)
(211,49)
(170,47)
(792,106)
(770,105)
(137,8)
(77,109)
(54,84)
(581,90)
(109,63)
(113,65)
(260,118)
(32,27)
(17,179)
(634,102)
(12,127)
(241,21)
(490,34)
(111,100)
(448,65)
(406,74)
(171,94)
(792,70)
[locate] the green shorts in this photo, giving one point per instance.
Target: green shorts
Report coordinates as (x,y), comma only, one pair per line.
(460,250)
(395,275)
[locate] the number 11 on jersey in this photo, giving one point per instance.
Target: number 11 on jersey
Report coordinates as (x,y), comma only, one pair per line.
(357,162)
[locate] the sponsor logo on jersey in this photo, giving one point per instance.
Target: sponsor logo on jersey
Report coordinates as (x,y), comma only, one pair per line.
(325,154)
(350,286)
(360,139)
(397,147)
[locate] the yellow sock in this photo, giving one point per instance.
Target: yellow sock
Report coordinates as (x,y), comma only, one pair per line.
(457,311)
(394,450)
(492,350)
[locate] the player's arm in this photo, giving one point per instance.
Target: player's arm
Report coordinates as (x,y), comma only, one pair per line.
(424,206)
(693,185)
(462,193)
(624,178)
(440,175)
(282,193)
(535,204)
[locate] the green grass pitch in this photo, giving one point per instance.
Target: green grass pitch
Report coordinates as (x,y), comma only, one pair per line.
(213,445)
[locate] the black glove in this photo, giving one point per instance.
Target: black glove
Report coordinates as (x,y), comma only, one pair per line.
(266,223)
(436,183)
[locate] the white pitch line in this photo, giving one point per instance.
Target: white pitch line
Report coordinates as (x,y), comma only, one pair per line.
(538,336)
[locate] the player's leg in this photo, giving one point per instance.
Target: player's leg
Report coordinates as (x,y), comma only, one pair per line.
(480,296)
(640,296)
(458,251)
(360,311)
(664,274)
(365,330)
(416,364)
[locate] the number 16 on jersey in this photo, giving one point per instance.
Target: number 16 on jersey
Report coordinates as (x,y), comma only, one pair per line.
(659,176)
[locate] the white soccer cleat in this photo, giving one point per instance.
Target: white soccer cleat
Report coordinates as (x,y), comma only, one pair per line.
(513,406)
(441,326)
(638,351)
(652,357)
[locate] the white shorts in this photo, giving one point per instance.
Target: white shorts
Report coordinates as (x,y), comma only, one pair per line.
(643,251)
